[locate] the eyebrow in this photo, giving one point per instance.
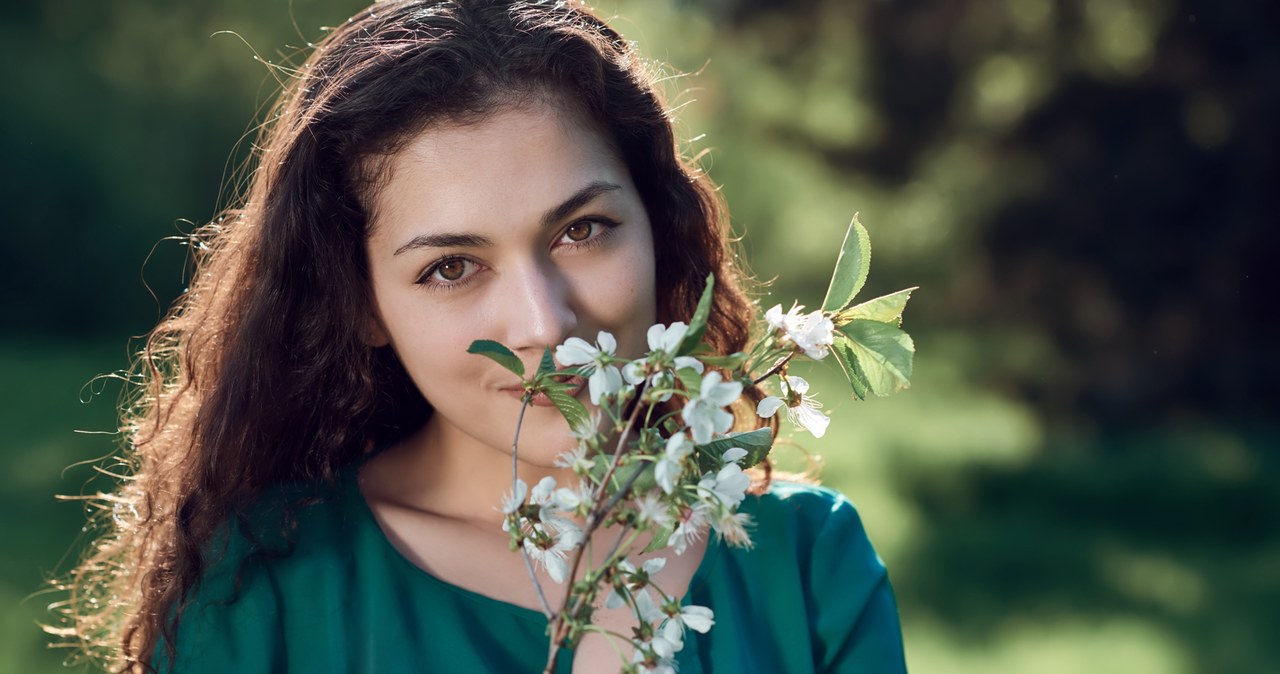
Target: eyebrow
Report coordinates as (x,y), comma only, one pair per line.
(470,240)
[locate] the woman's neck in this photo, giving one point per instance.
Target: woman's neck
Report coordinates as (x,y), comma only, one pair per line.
(442,470)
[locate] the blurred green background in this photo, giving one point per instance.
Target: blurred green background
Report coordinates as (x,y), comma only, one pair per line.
(1084,477)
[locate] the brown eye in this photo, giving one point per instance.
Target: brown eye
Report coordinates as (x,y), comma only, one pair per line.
(452,270)
(578,231)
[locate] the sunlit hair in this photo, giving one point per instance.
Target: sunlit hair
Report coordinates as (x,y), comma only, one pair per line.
(261,374)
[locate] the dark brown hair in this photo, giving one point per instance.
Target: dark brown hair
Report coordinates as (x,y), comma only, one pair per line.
(260,374)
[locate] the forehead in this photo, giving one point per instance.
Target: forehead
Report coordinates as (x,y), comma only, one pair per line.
(520,159)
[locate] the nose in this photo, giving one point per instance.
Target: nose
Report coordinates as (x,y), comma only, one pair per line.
(539,308)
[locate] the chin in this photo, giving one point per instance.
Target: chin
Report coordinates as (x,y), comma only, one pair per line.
(544,436)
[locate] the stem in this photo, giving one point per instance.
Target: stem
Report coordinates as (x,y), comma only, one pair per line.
(626,487)
(777,367)
(524,554)
(593,522)
(597,515)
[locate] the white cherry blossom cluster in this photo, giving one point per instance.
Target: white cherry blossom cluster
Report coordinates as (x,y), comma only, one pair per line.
(681,472)
(813,333)
(661,459)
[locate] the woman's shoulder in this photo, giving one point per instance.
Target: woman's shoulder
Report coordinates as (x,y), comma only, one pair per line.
(811,573)
(809,514)
(814,535)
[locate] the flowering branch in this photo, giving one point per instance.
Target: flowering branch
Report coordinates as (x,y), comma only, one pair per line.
(685,469)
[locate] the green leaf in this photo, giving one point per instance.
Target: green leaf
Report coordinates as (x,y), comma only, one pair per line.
(599,466)
(570,408)
(886,309)
(548,364)
(882,354)
(644,481)
(851,268)
(757,443)
(730,362)
(843,351)
(660,537)
(698,324)
(498,354)
(691,380)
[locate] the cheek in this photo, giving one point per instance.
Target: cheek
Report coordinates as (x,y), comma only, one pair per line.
(430,344)
(622,299)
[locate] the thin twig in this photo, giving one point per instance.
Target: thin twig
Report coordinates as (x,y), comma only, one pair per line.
(524,554)
(593,522)
(777,367)
(598,513)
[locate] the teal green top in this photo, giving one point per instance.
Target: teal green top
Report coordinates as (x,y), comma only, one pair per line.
(811,596)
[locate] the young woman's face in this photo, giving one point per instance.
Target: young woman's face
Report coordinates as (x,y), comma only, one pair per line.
(525,229)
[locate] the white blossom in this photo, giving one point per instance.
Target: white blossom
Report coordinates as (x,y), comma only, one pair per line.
(575,459)
(705,413)
(668,640)
(647,608)
(813,332)
(732,527)
(663,343)
(666,338)
(568,499)
(692,525)
(512,501)
(604,378)
(541,494)
(657,646)
(671,463)
(733,455)
(729,486)
(652,509)
(553,556)
(802,409)
(697,618)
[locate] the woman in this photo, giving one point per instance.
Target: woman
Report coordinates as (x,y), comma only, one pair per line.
(316,461)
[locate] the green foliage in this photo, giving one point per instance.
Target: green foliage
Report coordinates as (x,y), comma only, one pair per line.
(548,363)
(876,355)
(852,267)
(885,309)
(498,354)
(698,324)
(573,411)
(757,443)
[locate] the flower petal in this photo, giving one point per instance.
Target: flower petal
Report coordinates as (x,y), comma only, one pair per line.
(654,336)
(652,566)
(512,502)
(733,455)
(542,491)
(633,372)
(575,351)
(798,384)
(768,407)
(607,343)
(557,568)
(673,336)
(697,618)
(689,363)
(811,419)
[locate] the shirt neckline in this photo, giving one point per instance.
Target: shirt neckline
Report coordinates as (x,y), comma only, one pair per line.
(364,513)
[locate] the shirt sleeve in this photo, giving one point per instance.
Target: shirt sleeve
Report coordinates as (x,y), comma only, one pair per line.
(856,627)
(232,623)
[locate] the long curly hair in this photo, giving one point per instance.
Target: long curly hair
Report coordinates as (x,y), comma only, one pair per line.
(260,374)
